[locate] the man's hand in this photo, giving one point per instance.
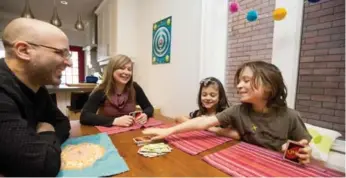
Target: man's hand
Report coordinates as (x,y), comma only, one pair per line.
(44,127)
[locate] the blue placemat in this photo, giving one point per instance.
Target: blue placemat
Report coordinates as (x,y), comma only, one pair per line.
(110,164)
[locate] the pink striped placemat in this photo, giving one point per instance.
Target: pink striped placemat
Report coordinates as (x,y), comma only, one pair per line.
(196,141)
(116,129)
(246,160)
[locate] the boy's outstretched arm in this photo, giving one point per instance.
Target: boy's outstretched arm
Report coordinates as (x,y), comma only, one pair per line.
(199,123)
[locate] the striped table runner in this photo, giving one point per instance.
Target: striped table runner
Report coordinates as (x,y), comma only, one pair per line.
(196,141)
(116,129)
(246,160)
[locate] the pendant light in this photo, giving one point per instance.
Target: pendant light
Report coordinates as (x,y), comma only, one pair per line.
(79,24)
(55,20)
(27,11)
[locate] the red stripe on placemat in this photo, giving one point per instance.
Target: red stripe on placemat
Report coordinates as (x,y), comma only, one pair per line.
(247,160)
(153,122)
(116,129)
(196,141)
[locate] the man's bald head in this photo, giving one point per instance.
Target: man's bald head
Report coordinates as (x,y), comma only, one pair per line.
(36,51)
(32,30)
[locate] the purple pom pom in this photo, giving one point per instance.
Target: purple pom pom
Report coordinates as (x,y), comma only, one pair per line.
(234,7)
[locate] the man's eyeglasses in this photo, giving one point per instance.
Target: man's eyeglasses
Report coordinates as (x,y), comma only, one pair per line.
(65,53)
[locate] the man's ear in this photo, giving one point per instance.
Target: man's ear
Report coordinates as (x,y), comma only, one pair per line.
(22,50)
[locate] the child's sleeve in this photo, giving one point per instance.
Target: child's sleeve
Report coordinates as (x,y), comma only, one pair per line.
(227,116)
(298,130)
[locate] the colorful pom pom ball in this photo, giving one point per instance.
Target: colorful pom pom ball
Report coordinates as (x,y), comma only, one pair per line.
(234,7)
(252,15)
(279,14)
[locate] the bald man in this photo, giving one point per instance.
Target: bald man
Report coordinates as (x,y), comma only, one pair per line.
(32,128)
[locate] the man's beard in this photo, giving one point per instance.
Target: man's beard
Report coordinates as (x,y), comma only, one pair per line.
(41,74)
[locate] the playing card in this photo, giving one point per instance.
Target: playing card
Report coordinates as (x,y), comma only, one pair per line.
(153,150)
(291,151)
(135,114)
(142,140)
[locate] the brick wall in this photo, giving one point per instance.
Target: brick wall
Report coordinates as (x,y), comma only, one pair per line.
(248,41)
(321,83)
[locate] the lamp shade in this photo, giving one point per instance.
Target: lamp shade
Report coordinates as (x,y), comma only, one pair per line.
(27,11)
(55,20)
(79,24)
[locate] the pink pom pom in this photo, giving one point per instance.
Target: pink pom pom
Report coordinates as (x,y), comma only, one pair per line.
(234,7)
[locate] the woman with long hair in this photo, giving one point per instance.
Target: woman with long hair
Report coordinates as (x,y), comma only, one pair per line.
(119,95)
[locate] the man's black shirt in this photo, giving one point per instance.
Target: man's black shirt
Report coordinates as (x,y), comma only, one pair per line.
(23,152)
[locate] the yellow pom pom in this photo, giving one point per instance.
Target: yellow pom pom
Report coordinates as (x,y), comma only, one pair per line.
(279,14)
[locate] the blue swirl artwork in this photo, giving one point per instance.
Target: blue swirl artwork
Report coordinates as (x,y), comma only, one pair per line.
(162,41)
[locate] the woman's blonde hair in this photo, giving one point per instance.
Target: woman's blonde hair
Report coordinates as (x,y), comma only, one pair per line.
(108,82)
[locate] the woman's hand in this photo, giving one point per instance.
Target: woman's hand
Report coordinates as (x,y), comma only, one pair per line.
(123,121)
(142,119)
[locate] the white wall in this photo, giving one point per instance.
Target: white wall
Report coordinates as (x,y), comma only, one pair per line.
(199,43)
(198,48)
(173,87)
(127,20)
(214,19)
(286,45)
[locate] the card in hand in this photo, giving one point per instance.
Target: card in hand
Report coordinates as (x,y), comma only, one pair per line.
(291,151)
(135,114)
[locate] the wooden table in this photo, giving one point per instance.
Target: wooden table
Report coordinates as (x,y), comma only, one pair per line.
(177,163)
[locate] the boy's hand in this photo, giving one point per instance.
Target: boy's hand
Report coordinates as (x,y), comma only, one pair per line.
(304,154)
(158,133)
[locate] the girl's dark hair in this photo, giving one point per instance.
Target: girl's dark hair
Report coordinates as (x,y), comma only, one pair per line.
(222,104)
(270,77)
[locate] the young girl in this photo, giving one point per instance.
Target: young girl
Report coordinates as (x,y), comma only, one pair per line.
(119,95)
(262,119)
(211,100)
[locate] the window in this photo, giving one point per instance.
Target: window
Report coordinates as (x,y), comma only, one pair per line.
(75,73)
(71,74)
(2,53)
(2,50)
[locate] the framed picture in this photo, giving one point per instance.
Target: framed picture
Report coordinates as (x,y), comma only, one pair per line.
(161,52)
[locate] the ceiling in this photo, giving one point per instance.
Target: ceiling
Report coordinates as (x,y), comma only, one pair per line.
(43,9)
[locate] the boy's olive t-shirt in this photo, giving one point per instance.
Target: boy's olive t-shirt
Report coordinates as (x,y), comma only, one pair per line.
(270,130)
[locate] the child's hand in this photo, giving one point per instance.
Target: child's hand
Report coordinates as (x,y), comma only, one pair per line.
(158,133)
(304,154)
(181,119)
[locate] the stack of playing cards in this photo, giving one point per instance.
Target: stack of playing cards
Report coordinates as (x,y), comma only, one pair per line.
(153,150)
